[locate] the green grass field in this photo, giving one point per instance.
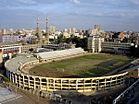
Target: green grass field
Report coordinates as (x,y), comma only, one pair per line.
(83,66)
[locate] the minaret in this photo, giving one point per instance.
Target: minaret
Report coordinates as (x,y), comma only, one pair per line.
(47,32)
(38,33)
(37,28)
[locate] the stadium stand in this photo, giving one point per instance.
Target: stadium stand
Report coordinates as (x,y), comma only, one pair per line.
(14,63)
(59,54)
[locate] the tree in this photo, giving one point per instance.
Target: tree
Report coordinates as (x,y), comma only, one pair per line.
(79,42)
(61,39)
(31,49)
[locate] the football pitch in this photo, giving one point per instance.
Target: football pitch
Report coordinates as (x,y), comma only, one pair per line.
(82,66)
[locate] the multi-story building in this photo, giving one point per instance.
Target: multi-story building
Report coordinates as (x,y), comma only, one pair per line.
(121,36)
(26,48)
(7,50)
(95,31)
(10,38)
(69,31)
(95,40)
(116,47)
(73,30)
(94,43)
(3,31)
(66,35)
(52,29)
(6,31)
(97,44)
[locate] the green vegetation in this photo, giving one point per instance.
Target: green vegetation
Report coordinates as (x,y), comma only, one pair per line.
(73,39)
(14,55)
(83,66)
(4,78)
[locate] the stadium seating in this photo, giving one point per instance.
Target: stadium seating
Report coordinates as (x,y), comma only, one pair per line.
(15,63)
(59,53)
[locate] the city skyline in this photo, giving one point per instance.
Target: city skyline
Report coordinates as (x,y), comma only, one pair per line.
(113,15)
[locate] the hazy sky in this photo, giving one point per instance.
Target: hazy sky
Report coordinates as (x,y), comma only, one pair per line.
(116,15)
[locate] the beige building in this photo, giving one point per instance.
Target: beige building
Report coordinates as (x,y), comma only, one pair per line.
(66,35)
(121,36)
(95,39)
(94,44)
(116,47)
(52,29)
(95,31)
(27,47)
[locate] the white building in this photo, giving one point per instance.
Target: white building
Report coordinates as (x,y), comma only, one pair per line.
(52,29)
(66,35)
(9,38)
(94,44)
(78,35)
(3,31)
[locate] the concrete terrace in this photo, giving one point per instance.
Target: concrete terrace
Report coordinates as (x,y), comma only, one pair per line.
(14,63)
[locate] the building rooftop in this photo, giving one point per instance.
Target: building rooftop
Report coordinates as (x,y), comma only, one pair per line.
(9,44)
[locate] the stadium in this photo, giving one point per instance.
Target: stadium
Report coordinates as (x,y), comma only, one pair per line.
(18,73)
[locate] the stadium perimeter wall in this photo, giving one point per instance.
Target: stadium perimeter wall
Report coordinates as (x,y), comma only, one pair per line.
(50,84)
(81,85)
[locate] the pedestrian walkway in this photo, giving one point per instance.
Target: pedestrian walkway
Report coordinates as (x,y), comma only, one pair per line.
(7,95)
